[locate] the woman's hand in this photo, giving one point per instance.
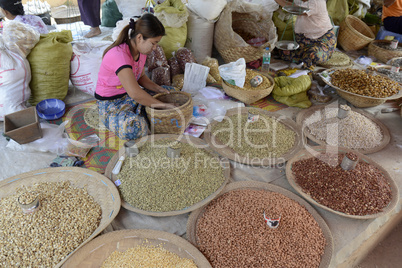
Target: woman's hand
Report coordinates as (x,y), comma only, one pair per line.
(162,90)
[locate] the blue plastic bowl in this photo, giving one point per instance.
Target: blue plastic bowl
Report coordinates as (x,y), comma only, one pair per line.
(51,109)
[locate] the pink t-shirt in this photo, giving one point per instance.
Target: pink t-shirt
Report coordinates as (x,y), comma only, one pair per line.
(117,58)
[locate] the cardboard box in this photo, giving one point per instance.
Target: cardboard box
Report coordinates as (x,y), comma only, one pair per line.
(23,126)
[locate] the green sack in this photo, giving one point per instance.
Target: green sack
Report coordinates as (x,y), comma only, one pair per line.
(281,25)
(338,10)
(110,14)
(50,66)
(292,91)
(173,15)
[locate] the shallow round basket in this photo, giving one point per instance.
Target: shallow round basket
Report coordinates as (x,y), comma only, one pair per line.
(254,185)
(98,186)
(383,54)
(248,96)
(63,14)
(306,113)
(354,34)
(228,152)
(224,162)
(98,250)
(396,59)
(357,100)
(338,59)
(171,121)
(92,119)
(304,154)
(388,67)
(51,109)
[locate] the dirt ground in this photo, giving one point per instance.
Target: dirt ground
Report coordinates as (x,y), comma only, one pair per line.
(388,253)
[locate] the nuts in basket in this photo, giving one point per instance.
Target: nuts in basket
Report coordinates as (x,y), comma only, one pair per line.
(359,82)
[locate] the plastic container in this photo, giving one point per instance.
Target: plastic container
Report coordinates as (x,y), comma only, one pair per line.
(51,109)
(266,60)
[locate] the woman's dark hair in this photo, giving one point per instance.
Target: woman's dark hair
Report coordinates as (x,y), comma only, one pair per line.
(15,7)
(148,25)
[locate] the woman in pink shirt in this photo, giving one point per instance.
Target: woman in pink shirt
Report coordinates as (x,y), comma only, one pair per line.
(314,33)
(119,95)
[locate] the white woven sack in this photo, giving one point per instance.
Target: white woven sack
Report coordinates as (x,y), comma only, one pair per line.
(200,36)
(15,74)
(207,9)
(85,65)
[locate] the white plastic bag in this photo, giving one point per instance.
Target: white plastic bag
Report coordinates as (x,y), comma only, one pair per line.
(19,37)
(85,64)
(53,140)
(130,8)
(234,73)
(195,77)
(15,75)
(208,9)
(119,26)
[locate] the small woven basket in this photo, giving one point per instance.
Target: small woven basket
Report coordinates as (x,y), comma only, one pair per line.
(64,14)
(171,121)
(383,54)
(354,34)
(248,96)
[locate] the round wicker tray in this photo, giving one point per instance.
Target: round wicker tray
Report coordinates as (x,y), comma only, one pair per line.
(339,60)
(303,154)
(253,185)
(91,118)
(356,99)
(63,14)
(249,96)
(302,115)
(228,152)
(98,186)
(97,251)
(182,138)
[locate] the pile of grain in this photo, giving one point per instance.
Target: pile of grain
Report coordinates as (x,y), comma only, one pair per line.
(232,233)
(67,217)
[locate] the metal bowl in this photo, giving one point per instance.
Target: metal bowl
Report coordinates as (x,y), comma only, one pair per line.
(287,45)
(296,10)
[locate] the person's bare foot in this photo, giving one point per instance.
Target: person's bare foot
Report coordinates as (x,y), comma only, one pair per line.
(93,32)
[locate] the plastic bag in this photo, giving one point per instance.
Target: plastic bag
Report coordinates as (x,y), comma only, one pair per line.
(19,37)
(195,77)
(234,72)
(184,55)
(82,147)
(208,9)
(156,59)
(174,67)
(213,65)
(161,76)
(178,81)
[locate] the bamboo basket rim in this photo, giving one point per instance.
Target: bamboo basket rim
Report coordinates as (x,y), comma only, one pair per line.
(362,24)
(99,249)
(183,138)
(328,64)
(328,82)
(303,154)
(304,114)
(249,96)
(166,111)
(255,185)
(381,53)
(79,177)
(228,152)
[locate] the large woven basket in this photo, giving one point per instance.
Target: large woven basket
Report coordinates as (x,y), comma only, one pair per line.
(254,185)
(383,54)
(360,100)
(197,142)
(238,23)
(171,121)
(313,151)
(98,186)
(248,96)
(98,250)
(354,34)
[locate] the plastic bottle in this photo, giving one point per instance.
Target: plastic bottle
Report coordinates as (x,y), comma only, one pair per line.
(266,60)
